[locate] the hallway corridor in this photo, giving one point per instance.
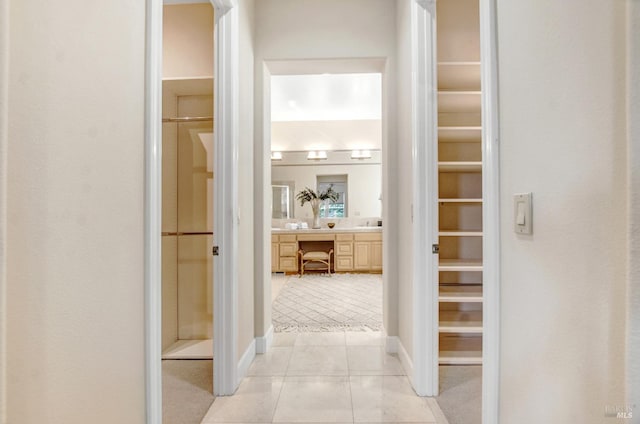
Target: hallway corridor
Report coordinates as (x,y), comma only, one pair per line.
(340,377)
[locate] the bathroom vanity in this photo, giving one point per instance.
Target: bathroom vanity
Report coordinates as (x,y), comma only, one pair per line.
(355,249)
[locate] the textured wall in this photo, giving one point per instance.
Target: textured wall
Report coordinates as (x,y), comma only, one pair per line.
(75,346)
(563,137)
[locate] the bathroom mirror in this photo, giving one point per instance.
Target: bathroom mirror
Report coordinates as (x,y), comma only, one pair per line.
(359,183)
(282,200)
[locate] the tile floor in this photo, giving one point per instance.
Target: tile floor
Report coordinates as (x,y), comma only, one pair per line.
(341,377)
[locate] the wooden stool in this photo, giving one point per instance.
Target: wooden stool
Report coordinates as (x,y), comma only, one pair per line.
(315,257)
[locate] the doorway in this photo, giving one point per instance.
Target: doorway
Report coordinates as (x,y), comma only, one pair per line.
(326,141)
(187,212)
(227,102)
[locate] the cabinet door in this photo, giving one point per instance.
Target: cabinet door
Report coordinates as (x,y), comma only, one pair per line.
(344,263)
(289,249)
(376,256)
(275,256)
(362,255)
(288,264)
(344,248)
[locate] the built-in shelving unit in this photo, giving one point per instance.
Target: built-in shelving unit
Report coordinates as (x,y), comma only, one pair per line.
(460,183)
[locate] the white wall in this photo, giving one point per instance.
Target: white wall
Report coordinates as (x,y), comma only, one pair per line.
(75,348)
(633,161)
(563,137)
(364,186)
(246,329)
(310,29)
(404,172)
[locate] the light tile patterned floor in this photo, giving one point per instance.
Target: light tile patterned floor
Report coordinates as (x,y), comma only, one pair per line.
(324,378)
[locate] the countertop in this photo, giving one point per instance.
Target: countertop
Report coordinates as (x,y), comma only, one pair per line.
(328,230)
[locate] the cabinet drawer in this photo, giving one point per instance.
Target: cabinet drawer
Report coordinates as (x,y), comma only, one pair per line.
(288,264)
(344,263)
(344,237)
(344,248)
(316,237)
(288,249)
(274,238)
(369,237)
(287,237)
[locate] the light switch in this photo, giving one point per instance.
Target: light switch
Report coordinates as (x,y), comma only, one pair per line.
(520,215)
(522,211)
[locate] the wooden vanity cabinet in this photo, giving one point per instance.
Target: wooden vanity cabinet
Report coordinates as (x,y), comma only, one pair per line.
(344,252)
(288,253)
(367,252)
(352,252)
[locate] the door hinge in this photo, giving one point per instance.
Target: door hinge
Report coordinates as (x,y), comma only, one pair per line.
(215,251)
(435,249)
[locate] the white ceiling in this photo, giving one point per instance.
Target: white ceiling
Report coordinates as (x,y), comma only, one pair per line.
(326,112)
(326,97)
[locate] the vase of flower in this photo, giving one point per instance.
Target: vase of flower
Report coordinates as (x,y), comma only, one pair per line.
(316,199)
(315,207)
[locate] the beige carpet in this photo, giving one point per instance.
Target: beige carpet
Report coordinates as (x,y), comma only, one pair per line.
(187,387)
(318,302)
(461,394)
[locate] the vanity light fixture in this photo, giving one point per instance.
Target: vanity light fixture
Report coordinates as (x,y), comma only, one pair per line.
(361,154)
(317,155)
(276,155)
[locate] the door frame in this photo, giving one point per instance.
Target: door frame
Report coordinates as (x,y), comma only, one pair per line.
(225,221)
(225,201)
(424,146)
(491,246)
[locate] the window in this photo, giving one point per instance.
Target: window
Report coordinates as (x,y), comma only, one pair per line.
(337,209)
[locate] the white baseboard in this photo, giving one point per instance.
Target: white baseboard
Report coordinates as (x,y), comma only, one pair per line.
(264,343)
(390,342)
(246,360)
(405,360)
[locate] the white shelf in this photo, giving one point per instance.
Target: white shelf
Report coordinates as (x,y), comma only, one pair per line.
(460,265)
(459,200)
(460,134)
(463,357)
(466,294)
(460,233)
(460,166)
(459,115)
(469,322)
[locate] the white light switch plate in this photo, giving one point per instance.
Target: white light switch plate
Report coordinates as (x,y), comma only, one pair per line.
(522,213)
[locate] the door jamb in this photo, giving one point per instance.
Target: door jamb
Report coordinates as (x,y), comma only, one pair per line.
(153,212)
(424,145)
(491,246)
(225,226)
(225,203)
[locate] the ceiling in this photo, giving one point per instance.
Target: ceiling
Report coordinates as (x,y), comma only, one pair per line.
(326,112)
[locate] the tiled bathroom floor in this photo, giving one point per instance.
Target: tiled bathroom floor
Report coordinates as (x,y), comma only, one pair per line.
(325,378)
